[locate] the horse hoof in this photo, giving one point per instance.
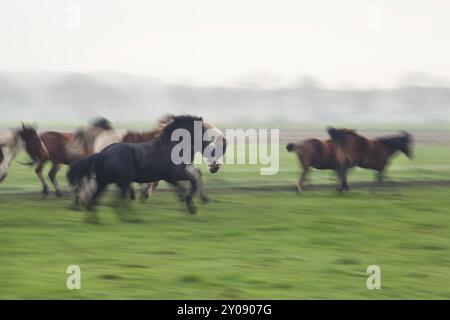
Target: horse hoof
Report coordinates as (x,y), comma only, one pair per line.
(144,196)
(205,199)
(192,210)
(58,193)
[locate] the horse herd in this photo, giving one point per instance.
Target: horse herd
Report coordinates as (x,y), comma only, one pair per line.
(99,155)
(346,149)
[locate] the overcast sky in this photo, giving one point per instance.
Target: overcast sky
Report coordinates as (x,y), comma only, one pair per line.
(355,42)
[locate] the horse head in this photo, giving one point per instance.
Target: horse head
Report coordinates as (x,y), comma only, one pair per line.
(406,144)
(102,123)
(204,137)
(215,146)
(33,143)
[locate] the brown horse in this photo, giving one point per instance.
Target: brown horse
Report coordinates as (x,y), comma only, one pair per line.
(65,148)
(353,149)
(314,153)
(142,136)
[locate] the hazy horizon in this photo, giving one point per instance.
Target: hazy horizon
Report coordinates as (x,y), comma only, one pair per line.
(350,43)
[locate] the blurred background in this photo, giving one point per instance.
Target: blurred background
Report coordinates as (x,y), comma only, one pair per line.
(233,61)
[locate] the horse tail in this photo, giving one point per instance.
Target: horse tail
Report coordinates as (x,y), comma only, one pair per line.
(297,147)
(29,164)
(81,168)
(290,146)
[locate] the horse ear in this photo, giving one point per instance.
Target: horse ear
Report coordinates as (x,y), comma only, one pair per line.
(23,125)
(406,134)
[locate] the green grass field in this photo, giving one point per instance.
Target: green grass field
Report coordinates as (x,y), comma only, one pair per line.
(269,243)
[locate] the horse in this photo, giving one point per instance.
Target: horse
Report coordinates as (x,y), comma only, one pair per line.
(144,162)
(314,153)
(65,148)
(356,150)
(12,141)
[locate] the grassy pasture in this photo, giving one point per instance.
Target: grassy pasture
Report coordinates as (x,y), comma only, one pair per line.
(257,238)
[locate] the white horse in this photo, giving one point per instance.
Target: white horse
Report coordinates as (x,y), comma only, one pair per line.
(10,144)
(107,138)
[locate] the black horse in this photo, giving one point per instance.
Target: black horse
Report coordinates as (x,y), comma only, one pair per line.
(124,163)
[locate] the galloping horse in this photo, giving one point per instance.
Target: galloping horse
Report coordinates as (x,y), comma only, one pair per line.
(353,149)
(124,163)
(315,153)
(65,148)
(12,141)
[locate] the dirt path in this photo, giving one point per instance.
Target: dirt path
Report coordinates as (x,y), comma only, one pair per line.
(356,186)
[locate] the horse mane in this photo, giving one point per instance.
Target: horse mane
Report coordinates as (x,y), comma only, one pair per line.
(348,131)
(172,122)
(102,123)
(340,135)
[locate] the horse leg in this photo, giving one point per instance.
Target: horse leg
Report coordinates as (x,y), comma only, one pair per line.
(345,185)
(132,193)
(52,175)
(301,180)
(92,214)
(193,179)
(179,189)
(98,192)
(200,184)
(342,173)
(153,187)
(76,200)
(146,190)
(123,207)
(38,171)
(380,177)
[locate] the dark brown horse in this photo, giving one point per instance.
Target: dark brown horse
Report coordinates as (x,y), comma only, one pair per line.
(353,149)
(64,148)
(314,153)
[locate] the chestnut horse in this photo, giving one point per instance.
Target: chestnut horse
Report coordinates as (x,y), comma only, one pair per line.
(314,153)
(65,148)
(353,149)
